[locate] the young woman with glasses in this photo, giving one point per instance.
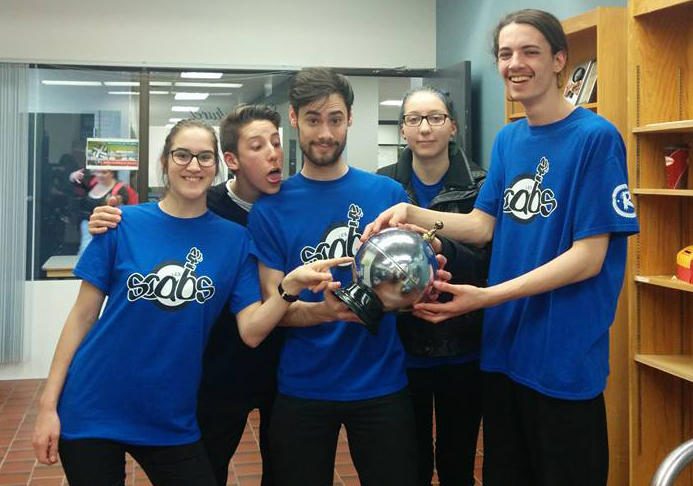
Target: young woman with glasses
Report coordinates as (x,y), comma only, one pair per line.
(442,359)
(557,205)
(127,381)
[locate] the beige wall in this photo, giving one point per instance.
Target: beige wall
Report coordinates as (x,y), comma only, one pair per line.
(215,33)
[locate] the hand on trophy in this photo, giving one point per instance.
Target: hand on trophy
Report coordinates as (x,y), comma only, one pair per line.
(441,276)
(337,308)
(465,298)
(394,269)
(388,218)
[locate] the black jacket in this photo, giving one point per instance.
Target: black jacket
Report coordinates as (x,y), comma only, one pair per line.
(468,264)
(231,369)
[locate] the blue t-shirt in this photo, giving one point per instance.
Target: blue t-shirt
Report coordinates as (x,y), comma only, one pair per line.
(424,192)
(547,187)
(312,220)
(134,377)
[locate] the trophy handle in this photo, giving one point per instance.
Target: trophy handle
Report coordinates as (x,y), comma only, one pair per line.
(430,234)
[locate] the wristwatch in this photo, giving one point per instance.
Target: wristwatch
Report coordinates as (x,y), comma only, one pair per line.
(285,296)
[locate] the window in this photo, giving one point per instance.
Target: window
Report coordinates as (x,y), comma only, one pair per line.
(67,108)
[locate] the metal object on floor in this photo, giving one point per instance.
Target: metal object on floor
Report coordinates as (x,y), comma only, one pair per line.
(673,464)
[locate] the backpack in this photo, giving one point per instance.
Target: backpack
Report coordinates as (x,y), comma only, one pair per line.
(133,197)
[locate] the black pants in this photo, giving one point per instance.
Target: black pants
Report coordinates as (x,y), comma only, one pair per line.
(222,421)
(303,438)
(99,462)
(533,439)
(455,391)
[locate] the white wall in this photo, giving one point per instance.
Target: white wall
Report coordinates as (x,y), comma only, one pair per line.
(388,138)
(362,140)
(215,33)
(47,304)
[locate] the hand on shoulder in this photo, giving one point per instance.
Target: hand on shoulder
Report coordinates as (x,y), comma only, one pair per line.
(105,217)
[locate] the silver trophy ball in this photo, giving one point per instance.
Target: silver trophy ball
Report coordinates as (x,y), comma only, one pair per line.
(393,270)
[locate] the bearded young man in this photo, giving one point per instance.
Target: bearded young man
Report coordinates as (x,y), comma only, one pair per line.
(332,371)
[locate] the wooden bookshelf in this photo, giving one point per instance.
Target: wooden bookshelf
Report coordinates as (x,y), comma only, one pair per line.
(660,113)
(681,126)
(645,7)
(677,365)
(642,191)
(666,281)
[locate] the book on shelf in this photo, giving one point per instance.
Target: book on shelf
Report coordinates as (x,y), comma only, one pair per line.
(588,94)
(575,83)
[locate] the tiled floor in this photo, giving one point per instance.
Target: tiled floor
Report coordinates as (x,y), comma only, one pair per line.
(18,409)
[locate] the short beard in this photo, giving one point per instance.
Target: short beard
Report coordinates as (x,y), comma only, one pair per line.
(322,162)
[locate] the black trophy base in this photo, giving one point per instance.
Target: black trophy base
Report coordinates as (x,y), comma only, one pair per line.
(364,303)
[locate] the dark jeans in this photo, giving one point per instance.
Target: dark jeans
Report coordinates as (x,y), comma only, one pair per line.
(222,421)
(531,439)
(99,462)
(303,439)
(455,391)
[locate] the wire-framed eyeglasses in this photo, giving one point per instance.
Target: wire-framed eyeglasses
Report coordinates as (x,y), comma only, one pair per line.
(181,156)
(434,119)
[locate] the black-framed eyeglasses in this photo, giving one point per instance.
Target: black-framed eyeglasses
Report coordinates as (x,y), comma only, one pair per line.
(206,158)
(434,119)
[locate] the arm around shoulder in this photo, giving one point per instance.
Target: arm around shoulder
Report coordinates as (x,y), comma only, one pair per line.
(104,218)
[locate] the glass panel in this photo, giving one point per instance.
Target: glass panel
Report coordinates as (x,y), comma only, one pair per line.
(67,108)
(182,95)
(391,90)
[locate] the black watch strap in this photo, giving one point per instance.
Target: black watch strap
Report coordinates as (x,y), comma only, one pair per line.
(285,296)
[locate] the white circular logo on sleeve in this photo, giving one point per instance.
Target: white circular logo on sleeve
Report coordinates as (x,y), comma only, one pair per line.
(622,201)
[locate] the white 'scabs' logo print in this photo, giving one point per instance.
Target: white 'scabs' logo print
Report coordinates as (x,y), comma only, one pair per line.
(622,202)
(525,198)
(172,285)
(340,239)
